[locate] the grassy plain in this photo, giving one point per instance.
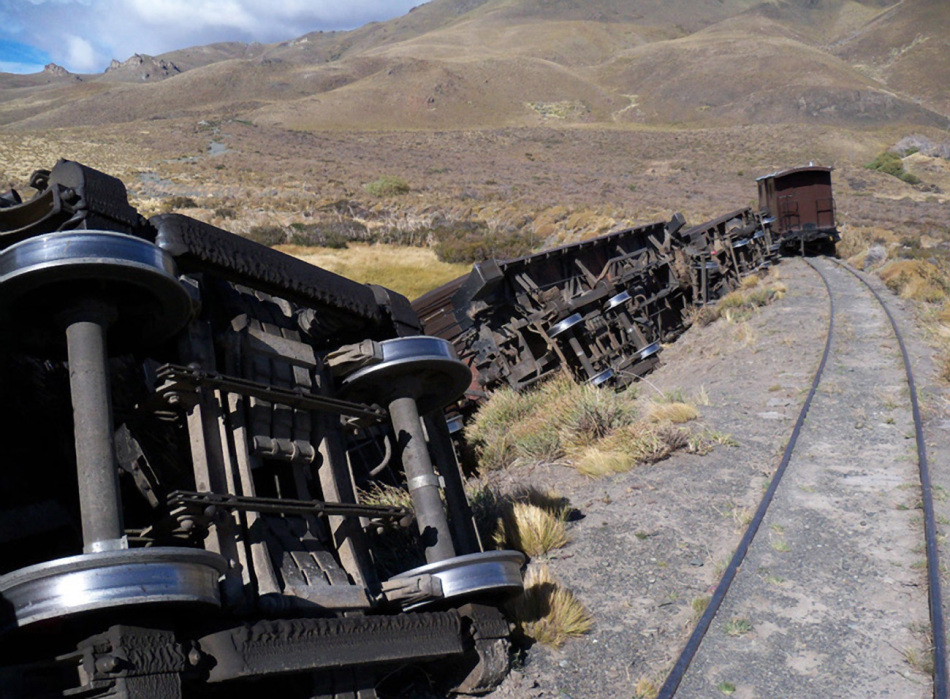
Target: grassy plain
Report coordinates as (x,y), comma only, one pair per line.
(411,271)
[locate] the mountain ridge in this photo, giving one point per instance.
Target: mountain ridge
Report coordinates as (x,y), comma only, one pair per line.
(491,63)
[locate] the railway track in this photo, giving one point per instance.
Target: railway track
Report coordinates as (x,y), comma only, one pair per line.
(830,571)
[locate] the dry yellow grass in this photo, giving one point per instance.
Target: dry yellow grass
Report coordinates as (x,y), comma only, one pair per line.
(559,418)
(744,334)
(915,279)
(856,240)
(410,271)
(749,282)
(597,432)
(677,413)
(548,613)
(944,315)
(646,688)
(596,462)
(642,442)
(531,529)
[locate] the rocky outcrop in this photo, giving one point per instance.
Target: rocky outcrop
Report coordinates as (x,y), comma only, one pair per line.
(58,71)
(142,68)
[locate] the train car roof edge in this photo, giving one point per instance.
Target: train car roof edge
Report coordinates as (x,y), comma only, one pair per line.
(790,171)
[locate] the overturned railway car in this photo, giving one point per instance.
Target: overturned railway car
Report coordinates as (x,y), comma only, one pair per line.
(189,420)
(600,308)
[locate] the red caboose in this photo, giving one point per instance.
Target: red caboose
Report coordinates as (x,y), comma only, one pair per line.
(799,207)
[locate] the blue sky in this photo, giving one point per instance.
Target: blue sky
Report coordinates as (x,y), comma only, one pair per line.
(85,35)
(20,58)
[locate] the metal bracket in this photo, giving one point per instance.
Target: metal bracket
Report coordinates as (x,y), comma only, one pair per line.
(181,381)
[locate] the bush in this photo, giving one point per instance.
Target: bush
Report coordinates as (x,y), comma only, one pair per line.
(472,242)
(336,235)
(890,163)
(178,202)
(170,204)
(546,611)
(267,235)
(387,186)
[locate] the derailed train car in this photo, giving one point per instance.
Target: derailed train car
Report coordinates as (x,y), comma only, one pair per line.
(600,308)
(188,421)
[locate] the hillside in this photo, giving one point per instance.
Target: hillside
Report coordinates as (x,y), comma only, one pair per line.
(496,63)
(908,49)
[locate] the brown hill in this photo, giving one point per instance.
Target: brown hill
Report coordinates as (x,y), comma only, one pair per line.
(750,70)
(490,63)
(907,48)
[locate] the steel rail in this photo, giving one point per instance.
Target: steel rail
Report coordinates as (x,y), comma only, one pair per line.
(692,645)
(935,597)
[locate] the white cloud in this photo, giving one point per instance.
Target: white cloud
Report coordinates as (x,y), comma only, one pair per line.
(80,55)
(83,35)
(200,14)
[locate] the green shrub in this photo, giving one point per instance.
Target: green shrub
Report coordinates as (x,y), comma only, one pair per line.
(471,242)
(891,163)
(387,186)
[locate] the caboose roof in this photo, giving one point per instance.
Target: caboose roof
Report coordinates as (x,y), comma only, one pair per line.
(791,171)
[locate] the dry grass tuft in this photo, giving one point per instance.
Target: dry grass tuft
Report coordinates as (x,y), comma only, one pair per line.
(596,462)
(545,424)
(531,529)
(920,660)
(779,289)
(699,605)
(857,240)
(384,494)
(737,626)
(395,549)
(749,282)
(701,315)
(646,441)
(734,299)
(944,315)
(547,612)
(643,442)
(529,520)
(597,432)
(677,413)
(646,688)
(753,293)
